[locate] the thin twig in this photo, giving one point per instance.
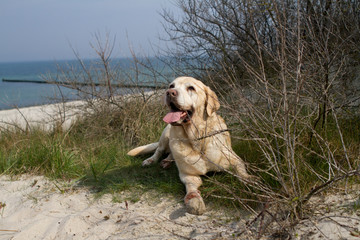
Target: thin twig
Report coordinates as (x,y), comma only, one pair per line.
(321,187)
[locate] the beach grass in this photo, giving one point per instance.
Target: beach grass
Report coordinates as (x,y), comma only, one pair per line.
(93,152)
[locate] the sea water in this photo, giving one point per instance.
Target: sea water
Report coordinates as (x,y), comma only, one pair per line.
(13,95)
(23,94)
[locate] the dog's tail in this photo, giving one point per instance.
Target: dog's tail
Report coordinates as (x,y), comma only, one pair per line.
(149,148)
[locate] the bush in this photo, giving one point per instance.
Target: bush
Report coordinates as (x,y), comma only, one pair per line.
(282,71)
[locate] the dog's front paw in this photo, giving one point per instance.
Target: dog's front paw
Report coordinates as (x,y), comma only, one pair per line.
(147,162)
(194,203)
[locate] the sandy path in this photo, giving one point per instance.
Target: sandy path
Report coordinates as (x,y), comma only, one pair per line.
(37,209)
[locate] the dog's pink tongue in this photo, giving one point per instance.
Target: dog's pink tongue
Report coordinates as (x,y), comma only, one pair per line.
(172,117)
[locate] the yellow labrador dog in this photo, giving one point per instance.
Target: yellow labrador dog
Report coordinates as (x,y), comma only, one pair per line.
(196,138)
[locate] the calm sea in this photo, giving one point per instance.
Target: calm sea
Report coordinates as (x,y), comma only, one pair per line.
(29,94)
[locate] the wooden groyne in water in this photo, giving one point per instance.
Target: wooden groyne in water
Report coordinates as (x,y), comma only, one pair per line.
(74,84)
(23,81)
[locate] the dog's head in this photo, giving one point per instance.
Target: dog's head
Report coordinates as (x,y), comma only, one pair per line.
(188,99)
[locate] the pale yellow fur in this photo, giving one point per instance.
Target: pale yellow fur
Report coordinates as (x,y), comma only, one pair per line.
(200,145)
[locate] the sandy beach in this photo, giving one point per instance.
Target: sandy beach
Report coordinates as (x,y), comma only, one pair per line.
(37,209)
(44,116)
(34,207)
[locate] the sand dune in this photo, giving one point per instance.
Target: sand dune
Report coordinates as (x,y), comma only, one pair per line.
(33,207)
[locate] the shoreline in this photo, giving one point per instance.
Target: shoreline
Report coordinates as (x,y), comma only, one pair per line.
(37,105)
(49,116)
(45,116)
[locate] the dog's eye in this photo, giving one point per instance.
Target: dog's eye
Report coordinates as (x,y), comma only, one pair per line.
(171,86)
(191,88)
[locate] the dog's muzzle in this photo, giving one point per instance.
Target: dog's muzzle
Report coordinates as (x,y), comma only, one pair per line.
(177,115)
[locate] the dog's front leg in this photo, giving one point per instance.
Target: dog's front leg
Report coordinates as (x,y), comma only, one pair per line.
(161,149)
(193,200)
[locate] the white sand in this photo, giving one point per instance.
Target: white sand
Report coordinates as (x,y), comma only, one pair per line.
(336,216)
(37,209)
(44,116)
(50,116)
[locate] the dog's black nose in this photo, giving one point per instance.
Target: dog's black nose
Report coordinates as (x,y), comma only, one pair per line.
(171,93)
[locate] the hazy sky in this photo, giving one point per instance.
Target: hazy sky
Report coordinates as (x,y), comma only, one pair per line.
(45,29)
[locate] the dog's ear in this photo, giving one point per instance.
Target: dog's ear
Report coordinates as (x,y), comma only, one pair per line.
(212,103)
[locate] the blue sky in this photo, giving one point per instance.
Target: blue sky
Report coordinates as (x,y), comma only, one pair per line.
(33,30)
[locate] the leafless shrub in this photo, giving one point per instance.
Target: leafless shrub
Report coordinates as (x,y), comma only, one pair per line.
(119,97)
(281,68)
